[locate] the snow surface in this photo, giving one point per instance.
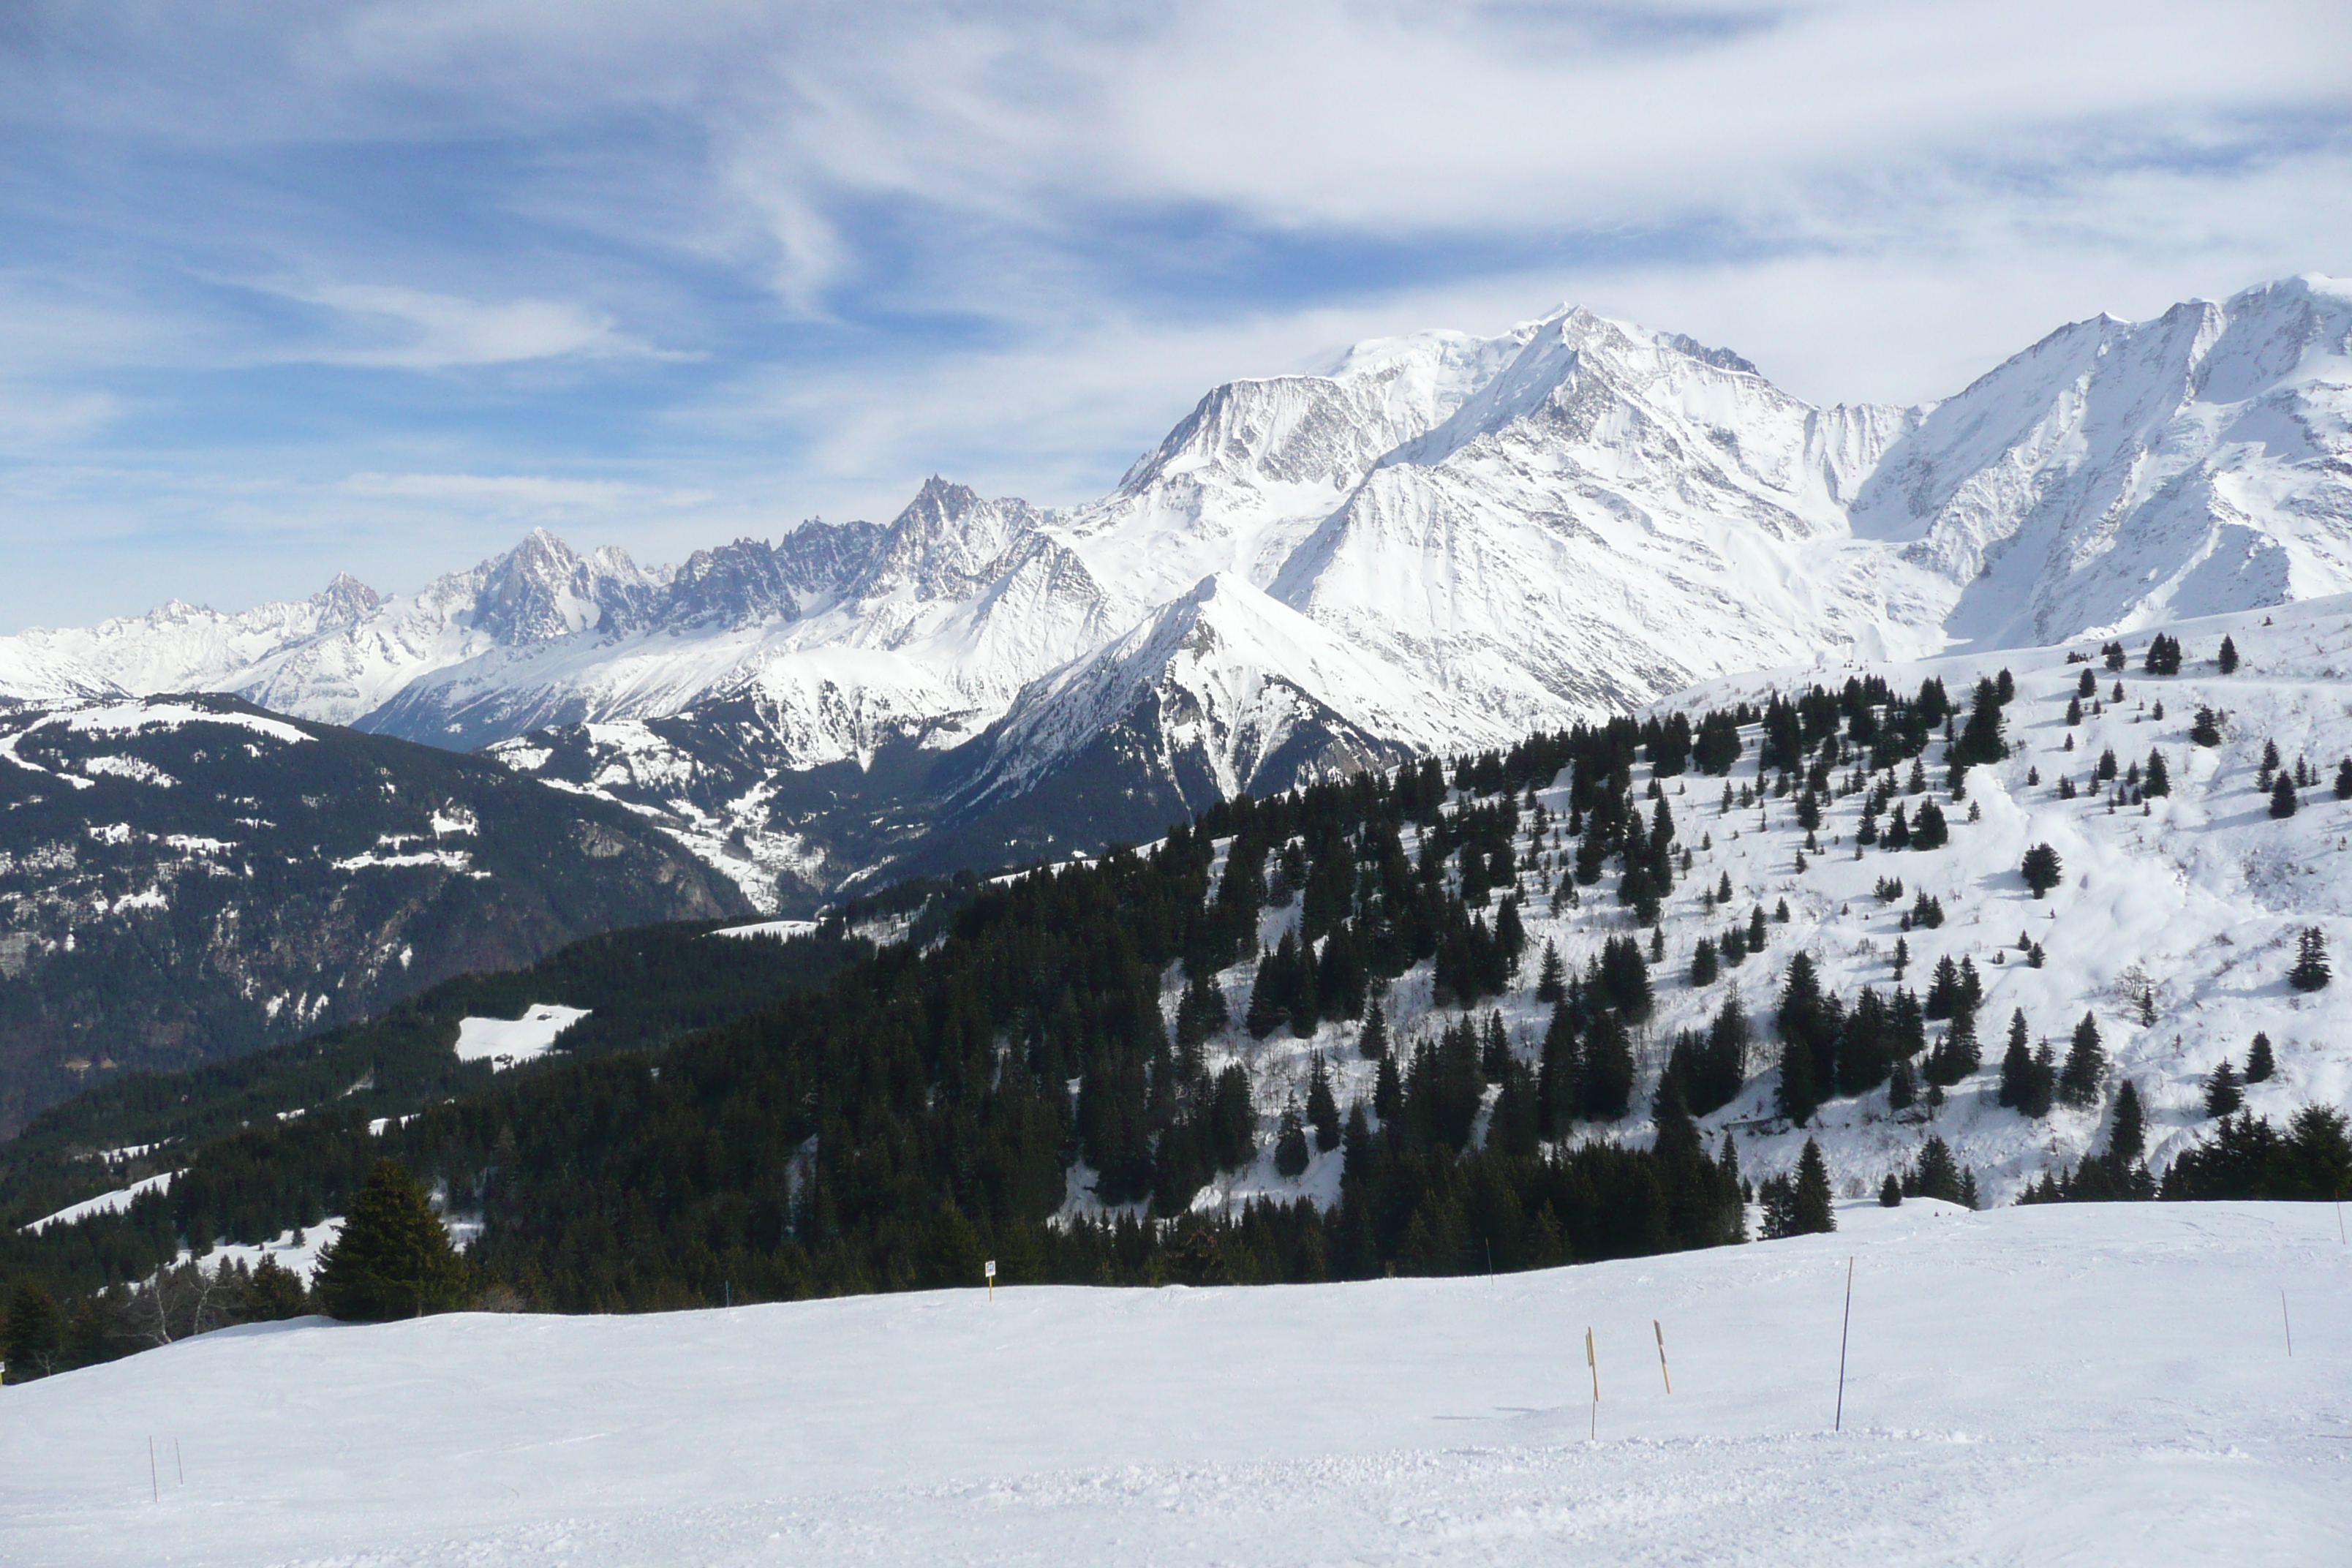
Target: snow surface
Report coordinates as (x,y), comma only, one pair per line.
(508,1042)
(116,1202)
(782,929)
(2082,1385)
(300,1256)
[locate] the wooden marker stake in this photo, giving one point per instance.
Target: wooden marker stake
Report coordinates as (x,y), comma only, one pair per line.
(1661,1355)
(2288,1324)
(1592,1361)
(154,1485)
(989,1269)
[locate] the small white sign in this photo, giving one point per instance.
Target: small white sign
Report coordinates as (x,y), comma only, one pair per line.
(989,1267)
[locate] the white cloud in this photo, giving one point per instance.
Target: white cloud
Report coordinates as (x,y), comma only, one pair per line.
(411,329)
(1013,244)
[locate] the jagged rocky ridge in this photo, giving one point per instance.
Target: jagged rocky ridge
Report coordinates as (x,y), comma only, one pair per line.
(1442,543)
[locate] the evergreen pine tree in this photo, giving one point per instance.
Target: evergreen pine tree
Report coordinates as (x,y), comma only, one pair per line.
(2016,1065)
(1902,1090)
(2222,1095)
(1387,1091)
(2159,777)
(2207,731)
(2129,1137)
(1290,1143)
(2085,1072)
(33,1340)
(2042,1088)
(1551,981)
(1356,1147)
(2260,1063)
(1813,1211)
(1373,1043)
(2311,970)
(2344,779)
(1956,1055)
(1510,936)
(1605,1080)
(1703,968)
(1558,1072)
(1322,1106)
(1890,1193)
(1268,1004)
(394,1258)
(275,1293)
(2228,657)
(1939,1173)
(2283,801)
(1723,1065)
(1796,1098)
(2042,868)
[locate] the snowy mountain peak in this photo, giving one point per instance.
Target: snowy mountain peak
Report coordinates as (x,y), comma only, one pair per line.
(1442,541)
(543,590)
(2119,472)
(941,545)
(344,601)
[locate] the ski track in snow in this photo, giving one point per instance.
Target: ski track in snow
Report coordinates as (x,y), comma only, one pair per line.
(2078,1384)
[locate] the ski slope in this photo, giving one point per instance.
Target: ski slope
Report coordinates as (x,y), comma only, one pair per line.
(2071,1384)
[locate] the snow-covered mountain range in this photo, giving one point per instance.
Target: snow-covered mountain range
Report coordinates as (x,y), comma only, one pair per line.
(1441,543)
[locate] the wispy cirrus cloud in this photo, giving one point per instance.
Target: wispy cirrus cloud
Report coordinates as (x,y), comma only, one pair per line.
(388,327)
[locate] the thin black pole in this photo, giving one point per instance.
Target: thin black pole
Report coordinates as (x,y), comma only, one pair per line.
(1842,1332)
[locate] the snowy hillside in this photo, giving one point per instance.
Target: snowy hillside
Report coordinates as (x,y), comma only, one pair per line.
(1571,518)
(2106,1384)
(2174,925)
(187,879)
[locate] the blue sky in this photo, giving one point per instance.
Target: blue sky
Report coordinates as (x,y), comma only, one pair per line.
(289,287)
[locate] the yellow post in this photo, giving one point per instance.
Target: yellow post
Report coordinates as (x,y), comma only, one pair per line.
(988,1270)
(1661,1355)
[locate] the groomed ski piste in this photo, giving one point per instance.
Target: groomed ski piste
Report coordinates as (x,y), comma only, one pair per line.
(2061,1384)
